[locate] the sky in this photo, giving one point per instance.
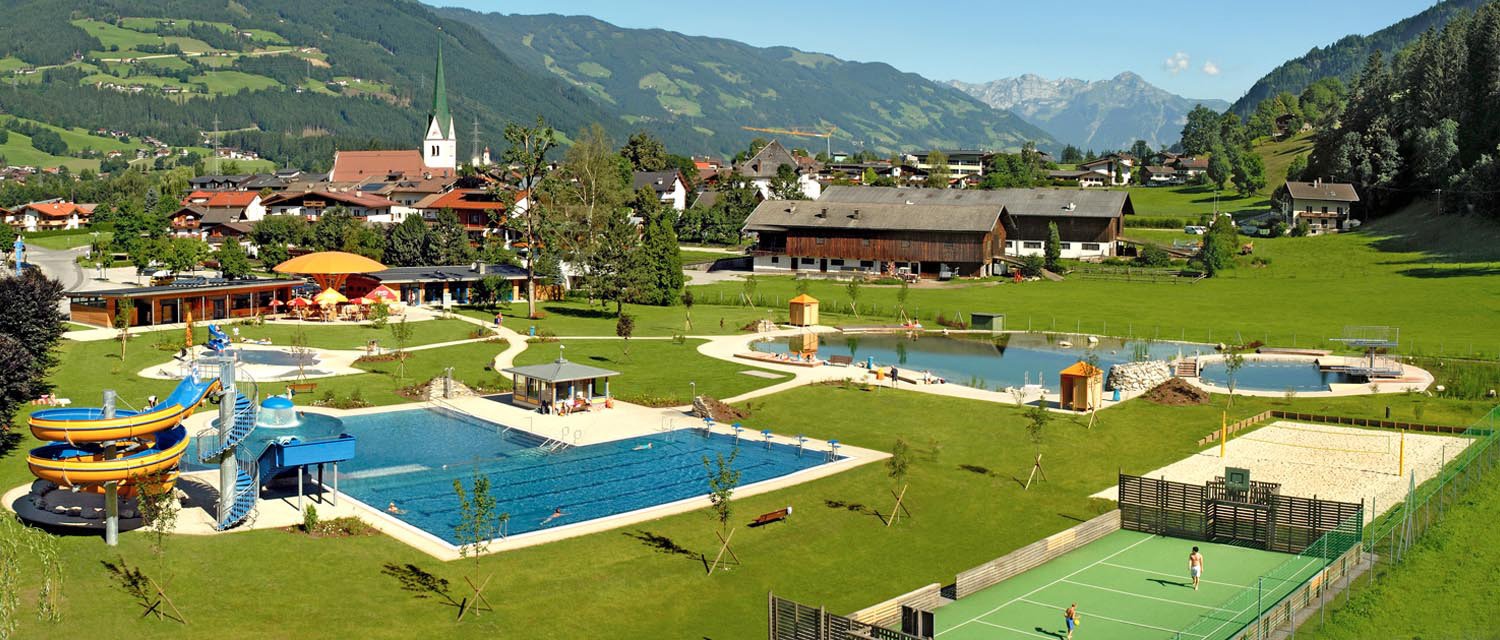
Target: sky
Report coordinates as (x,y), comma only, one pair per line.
(1205,49)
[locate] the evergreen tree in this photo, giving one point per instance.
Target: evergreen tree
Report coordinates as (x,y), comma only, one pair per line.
(658,280)
(1071,155)
(1053,248)
(410,243)
(449,241)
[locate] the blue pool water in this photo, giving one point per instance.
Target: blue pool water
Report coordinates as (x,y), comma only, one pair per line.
(308,427)
(1275,375)
(412,458)
(991,362)
(274,358)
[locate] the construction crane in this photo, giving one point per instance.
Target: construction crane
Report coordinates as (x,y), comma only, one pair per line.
(827,137)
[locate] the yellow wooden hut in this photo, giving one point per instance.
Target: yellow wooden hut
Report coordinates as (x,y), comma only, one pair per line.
(803,310)
(1082,387)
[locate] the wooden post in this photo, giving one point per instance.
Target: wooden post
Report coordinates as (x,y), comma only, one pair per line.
(723,548)
(896,511)
(1223,431)
(1036,467)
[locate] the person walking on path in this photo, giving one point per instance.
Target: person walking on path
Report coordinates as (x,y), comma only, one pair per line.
(1195,566)
(1070,616)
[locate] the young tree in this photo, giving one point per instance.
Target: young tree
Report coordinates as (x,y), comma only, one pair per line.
(479,523)
(687,309)
(902,293)
(1053,248)
(625,328)
(854,288)
(1218,249)
(233,262)
(897,467)
(124,315)
(184,254)
(723,478)
(1233,362)
(1037,418)
(402,333)
(528,153)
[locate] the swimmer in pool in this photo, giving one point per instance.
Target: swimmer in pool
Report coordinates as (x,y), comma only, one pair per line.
(641,447)
(393,509)
(556,513)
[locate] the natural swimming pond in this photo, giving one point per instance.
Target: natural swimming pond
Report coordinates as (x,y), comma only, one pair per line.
(990,362)
(1275,375)
(412,457)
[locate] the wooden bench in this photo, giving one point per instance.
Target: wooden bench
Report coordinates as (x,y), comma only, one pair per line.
(841,360)
(774,516)
(302,387)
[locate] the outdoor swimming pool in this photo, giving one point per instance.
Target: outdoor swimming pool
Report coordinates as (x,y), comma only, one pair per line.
(991,362)
(412,457)
(1275,375)
(274,357)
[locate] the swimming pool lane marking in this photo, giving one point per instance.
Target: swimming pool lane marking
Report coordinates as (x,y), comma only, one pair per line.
(1139,595)
(1091,614)
(1174,575)
(1248,606)
(1033,591)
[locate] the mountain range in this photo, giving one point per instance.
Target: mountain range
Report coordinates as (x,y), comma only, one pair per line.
(697,93)
(1102,114)
(1343,59)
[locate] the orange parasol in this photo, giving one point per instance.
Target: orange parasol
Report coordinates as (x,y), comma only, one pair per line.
(300,302)
(189,329)
(329,268)
(362,301)
(330,297)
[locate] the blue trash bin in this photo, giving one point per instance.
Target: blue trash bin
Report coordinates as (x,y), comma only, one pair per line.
(870,362)
(531,331)
(1117,395)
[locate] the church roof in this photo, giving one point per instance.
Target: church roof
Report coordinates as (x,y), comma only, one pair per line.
(440,97)
(355,165)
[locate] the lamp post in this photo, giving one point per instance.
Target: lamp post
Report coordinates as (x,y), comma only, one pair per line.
(695,389)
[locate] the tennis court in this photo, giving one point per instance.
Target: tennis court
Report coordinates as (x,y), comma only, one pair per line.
(1130,585)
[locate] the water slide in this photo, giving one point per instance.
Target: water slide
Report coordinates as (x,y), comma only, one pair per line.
(146,442)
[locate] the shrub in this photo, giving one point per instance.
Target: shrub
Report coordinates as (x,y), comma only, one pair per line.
(1032,265)
(310,519)
(1154,256)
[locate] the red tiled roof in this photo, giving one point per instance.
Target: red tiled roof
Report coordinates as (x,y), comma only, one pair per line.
(353,165)
(239,199)
(467,199)
(59,209)
(355,199)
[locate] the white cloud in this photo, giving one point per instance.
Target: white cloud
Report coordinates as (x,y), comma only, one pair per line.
(1210,68)
(1176,64)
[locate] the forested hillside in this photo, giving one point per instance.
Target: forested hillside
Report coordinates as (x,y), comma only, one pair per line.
(1343,59)
(696,92)
(1425,125)
(294,79)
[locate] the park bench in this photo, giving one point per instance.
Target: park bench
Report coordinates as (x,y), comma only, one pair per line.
(774,516)
(302,387)
(841,360)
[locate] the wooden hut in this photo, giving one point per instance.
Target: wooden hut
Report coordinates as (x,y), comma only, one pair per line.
(1082,387)
(546,385)
(803,310)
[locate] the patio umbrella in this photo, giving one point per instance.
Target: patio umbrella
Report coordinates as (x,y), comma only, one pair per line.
(362,301)
(276,303)
(189,330)
(329,268)
(385,293)
(330,297)
(300,302)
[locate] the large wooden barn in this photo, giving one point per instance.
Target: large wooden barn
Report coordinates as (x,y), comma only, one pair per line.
(931,232)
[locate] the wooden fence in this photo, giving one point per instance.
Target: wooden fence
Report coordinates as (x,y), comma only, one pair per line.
(1035,554)
(888,613)
(1163,507)
(1278,414)
(791,620)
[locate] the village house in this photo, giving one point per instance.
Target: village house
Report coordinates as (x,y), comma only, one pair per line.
(50,215)
(761,169)
(203,213)
(931,232)
(669,186)
(1324,206)
(480,211)
(962,163)
(1115,167)
(312,204)
(1082,179)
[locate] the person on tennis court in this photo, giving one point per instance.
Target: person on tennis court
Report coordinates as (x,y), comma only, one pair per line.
(1070,616)
(1195,566)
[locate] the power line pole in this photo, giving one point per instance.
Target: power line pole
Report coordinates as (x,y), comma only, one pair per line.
(216,143)
(474,145)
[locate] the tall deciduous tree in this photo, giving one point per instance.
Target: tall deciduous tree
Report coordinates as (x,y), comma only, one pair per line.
(1201,133)
(233,261)
(449,241)
(645,152)
(937,170)
(527,151)
(329,231)
(30,325)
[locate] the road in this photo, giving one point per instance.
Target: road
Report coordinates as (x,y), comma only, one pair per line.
(59,264)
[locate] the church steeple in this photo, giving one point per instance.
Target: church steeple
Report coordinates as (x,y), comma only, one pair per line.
(440,97)
(439,148)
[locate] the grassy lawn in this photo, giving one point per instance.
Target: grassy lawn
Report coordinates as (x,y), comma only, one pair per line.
(689,256)
(60,241)
(112,36)
(1192,200)
(1279,154)
(967,503)
(1397,272)
(654,372)
(1447,577)
(231,82)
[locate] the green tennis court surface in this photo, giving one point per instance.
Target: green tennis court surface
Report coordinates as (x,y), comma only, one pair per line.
(1130,585)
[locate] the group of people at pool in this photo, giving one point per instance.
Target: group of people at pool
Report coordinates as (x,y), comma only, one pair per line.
(1195,570)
